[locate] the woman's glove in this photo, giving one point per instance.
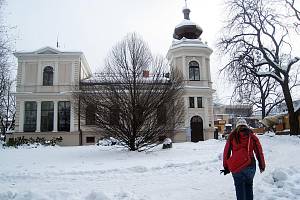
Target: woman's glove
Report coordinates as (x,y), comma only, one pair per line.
(225,171)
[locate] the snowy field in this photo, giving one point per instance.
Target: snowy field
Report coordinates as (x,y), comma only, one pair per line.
(188,171)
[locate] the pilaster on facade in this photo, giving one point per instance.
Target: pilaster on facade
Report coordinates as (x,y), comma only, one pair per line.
(73,73)
(55,75)
(205,100)
(184,69)
(204,69)
(72,127)
(19,76)
(208,69)
(40,74)
(186,110)
(23,73)
(77,64)
(17,116)
(38,117)
(21,119)
(55,120)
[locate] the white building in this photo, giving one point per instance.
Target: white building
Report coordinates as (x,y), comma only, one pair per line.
(47,77)
(44,104)
(192,57)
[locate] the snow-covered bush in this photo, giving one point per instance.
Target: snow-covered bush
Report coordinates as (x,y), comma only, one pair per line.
(108,142)
(2,137)
(21,141)
(167,143)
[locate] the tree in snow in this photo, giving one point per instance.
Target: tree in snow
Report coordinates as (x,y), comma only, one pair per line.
(256,40)
(7,103)
(295,10)
(135,101)
(262,93)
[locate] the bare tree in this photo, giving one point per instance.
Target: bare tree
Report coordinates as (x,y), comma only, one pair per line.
(255,28)
(8,112)
(6,100)
(131,105)
(261,93)
(296,13)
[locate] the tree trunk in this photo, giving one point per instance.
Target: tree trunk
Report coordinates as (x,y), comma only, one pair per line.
(293,118)
(132,144)
(263,106)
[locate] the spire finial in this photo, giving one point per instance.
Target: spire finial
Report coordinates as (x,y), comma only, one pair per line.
(186,11)
(57,45)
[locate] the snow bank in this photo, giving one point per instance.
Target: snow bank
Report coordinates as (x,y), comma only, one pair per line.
(30,195)
(187,171)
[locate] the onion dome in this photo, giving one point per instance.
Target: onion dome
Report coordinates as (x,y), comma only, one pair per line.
(187,28)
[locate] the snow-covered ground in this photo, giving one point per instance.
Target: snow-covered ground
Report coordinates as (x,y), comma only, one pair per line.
(188,171)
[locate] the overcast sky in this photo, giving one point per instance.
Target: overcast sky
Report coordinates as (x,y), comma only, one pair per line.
(94,26)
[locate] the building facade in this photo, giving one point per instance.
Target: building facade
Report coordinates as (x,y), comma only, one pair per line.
(47,78)
(189,55)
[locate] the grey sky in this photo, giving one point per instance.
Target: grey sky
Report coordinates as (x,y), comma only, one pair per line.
(94,26)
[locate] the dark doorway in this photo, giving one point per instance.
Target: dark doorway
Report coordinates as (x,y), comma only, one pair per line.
(197,129)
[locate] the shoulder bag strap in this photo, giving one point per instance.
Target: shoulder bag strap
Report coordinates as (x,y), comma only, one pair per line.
(249,144)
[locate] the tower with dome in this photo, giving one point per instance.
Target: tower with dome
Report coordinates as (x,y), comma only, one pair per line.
(189,55)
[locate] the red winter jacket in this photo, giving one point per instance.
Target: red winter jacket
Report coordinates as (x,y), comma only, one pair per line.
(243,137)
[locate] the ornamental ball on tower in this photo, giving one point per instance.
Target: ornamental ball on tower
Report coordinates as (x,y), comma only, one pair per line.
(187,28)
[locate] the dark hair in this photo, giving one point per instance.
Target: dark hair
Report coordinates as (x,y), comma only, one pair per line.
(236,131)
(235,135)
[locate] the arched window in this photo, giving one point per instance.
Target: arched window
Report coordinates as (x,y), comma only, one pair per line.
(194,71)
(48,76)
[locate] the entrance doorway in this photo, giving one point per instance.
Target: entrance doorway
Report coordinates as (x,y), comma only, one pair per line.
(197,129)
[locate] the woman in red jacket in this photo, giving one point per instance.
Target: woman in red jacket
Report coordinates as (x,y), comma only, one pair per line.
(243,137)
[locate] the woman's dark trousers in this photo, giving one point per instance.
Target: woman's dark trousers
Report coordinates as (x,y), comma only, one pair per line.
(243,182)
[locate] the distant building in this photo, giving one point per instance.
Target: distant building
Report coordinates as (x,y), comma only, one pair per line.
(283,107)
(228,114)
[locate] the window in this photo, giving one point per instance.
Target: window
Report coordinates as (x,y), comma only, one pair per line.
(114,115)
(90,139)
(30,116)
(199,102)
(162,115)
(47,114)
(192,102)
(90,115)
(48,76)
(194,71)
(64,116)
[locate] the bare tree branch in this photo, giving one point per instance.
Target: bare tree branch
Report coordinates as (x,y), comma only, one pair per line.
(257,45)
(131,106)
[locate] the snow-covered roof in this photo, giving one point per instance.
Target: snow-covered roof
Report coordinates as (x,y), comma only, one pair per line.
(186,22)
(110,78)
(48,50)
(184,42)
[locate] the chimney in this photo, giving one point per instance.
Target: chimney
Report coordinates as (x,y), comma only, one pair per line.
(146,73)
